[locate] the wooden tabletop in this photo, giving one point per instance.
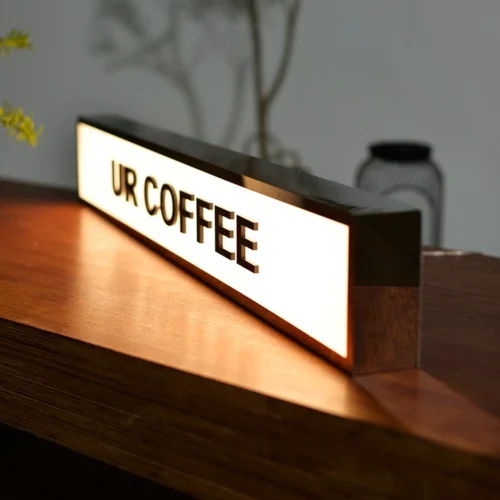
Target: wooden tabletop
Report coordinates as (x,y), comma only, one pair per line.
(112,351)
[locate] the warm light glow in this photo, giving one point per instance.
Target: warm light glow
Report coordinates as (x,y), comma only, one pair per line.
(302,258)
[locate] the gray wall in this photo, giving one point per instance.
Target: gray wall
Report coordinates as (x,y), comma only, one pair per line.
(362,70)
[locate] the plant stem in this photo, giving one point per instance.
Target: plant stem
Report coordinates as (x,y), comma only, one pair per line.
(260,99)
(183,76)
(236,109)
(286,55)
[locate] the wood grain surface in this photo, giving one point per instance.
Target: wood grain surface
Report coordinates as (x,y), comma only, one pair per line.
(386,328)
(108,349)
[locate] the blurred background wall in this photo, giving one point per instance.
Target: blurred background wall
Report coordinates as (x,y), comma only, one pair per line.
(361,70)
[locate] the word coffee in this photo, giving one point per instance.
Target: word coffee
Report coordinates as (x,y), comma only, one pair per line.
(172,205)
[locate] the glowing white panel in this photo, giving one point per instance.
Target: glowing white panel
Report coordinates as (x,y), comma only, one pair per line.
(297,268)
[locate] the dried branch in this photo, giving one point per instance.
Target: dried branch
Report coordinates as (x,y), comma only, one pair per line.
(148,49)
(184,76)
(254,18)
(150,55)
(234,120)
(264,100)
(286,56)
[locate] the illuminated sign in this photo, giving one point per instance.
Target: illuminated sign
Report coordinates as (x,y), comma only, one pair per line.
(256,242)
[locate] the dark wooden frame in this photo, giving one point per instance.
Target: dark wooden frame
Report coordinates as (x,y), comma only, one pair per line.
(384,246)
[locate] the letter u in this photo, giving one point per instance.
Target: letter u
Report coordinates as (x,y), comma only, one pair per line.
(117,177)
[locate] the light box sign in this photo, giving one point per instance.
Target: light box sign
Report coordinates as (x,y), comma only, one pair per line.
(271,238)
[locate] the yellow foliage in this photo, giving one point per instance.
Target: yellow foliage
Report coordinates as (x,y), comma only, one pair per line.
(14,120)
(19,125)
(14,40)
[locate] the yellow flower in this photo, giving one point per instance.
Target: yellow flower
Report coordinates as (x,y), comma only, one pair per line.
(14,40)
(14,120)
(19,125)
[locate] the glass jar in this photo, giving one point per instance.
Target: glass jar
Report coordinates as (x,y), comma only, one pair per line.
(406,171)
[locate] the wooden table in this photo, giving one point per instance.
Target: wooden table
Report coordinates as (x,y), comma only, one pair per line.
(111,351)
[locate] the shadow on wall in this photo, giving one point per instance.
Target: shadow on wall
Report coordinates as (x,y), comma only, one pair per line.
(123,38)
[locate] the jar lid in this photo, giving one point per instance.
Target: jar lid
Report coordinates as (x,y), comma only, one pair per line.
(404,152)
